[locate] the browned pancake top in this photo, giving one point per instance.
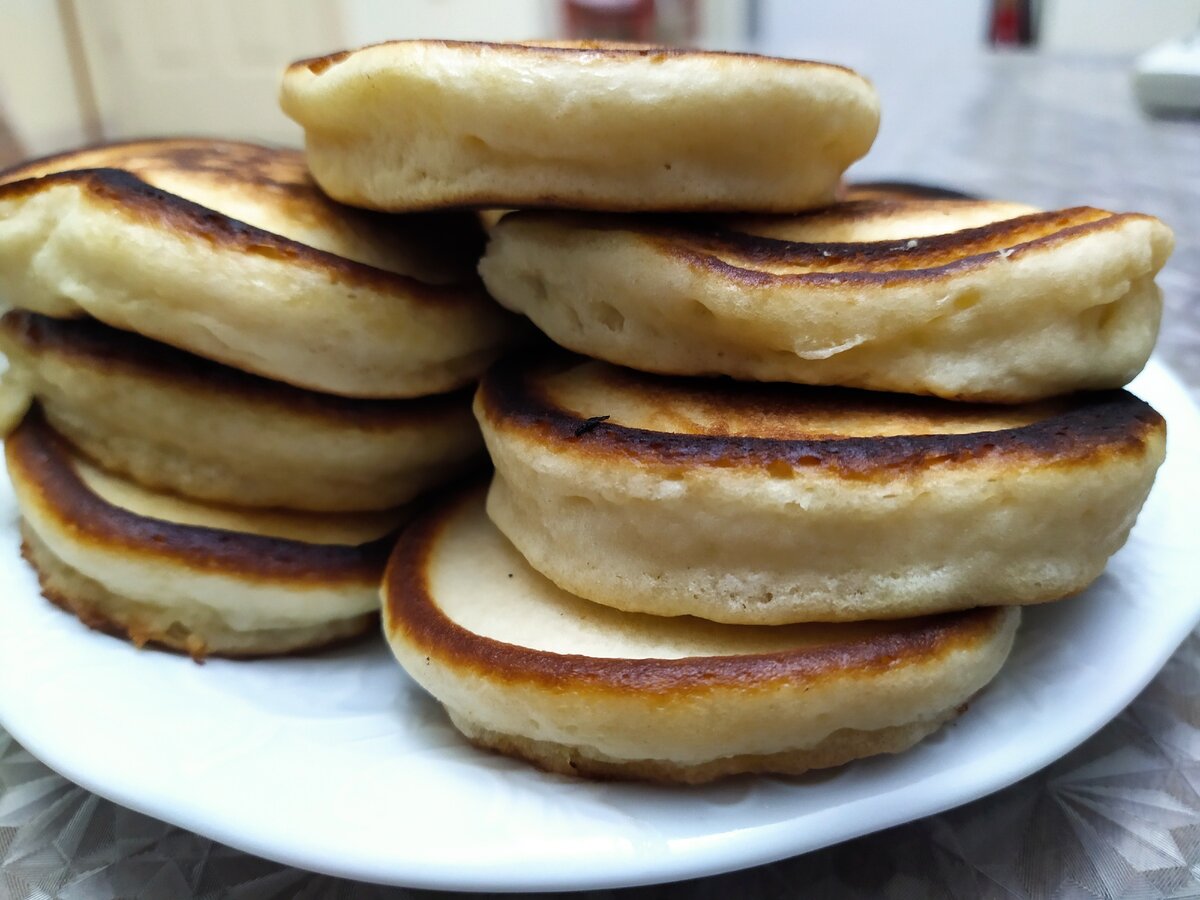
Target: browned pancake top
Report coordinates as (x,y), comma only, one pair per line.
(44,463)
(277,170)
(929,239)
(902,190)
(596,409)
(90,344)
(262,200)
(853,650)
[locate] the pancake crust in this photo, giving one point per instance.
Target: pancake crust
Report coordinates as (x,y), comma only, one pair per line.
(229,251)
(414,125)
(148,624)
(205,579)
(177,422)
(962,299)
(532,671)
(766,504)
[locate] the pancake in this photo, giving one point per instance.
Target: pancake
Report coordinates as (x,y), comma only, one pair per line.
(417,125)
(203,579)
(902,190)
(229,251)
(173,421)
(962,299)
(767,504)
(580,689)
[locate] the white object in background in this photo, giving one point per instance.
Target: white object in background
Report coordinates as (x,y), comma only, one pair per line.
(1167,79)
(1113,27)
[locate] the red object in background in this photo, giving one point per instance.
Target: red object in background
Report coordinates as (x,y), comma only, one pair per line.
(609,20)
(1011,24)
(639,21)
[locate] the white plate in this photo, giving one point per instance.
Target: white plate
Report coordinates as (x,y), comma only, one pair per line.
(341,765)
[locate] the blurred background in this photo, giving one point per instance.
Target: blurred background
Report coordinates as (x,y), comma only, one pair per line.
(82,71)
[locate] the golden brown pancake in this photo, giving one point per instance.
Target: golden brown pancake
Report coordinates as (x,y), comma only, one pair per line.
(229,251)
(173,421)
(767,504)
(418,125)
(963,299)
(527,669)
(201,578)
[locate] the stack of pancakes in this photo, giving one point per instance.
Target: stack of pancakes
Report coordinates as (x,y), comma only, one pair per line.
(224,389)
(713,543)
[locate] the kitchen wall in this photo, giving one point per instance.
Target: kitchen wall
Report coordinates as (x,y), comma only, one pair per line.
(40,108)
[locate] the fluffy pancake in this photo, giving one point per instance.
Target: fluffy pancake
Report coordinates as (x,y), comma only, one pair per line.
(962,299)
(231,252)
(577,688)
(173,421)
(412,125)
(195,577)
(766,504)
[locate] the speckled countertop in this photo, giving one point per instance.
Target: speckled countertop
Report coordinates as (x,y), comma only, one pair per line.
(1120,816)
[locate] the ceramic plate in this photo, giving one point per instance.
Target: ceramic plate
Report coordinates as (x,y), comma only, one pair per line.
(340,764)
